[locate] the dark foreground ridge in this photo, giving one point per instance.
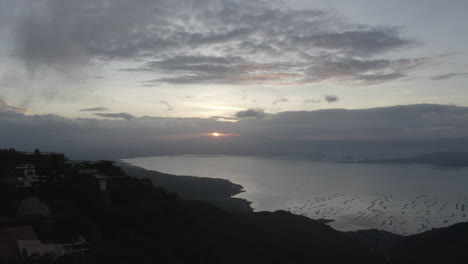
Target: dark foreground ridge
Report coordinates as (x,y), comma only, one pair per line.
(94,212)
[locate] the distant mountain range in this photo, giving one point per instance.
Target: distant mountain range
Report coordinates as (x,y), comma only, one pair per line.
(445,158)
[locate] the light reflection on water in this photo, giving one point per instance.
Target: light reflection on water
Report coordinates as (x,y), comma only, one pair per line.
(398,198)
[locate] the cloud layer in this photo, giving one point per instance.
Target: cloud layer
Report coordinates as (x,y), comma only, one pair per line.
(429,127)
(210,41)
(95,109)
(125,116)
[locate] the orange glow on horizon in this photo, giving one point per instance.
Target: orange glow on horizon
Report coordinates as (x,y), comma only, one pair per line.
(215,134)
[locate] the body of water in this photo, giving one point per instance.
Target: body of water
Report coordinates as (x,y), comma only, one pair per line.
(403,199)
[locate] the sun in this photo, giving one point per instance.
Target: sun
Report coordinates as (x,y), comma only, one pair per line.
(215,134)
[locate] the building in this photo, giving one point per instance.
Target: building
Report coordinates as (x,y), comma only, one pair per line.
(8,241)
(35,248)
(23,176)
(21,243)
(33,206)
(30,235)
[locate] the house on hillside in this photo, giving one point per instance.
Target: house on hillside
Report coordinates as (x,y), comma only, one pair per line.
(33,206)
(32,235)
(8,241)
(102,179)
(23,176)
(22,243)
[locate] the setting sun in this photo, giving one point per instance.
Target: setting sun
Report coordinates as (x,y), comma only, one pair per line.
(216,134)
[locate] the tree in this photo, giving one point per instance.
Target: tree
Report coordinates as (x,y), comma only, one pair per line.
(37,155)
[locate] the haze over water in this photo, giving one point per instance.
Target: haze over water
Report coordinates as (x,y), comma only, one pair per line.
(402,199)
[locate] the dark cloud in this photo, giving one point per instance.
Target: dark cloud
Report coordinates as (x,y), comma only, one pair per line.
(194,69)
(361,71)
(125,116)
(193,63)
(360,42)
(66,33)
(251,113)
(349,70)
(447,76)
(331,98)
(282,133)
(44,40)
(95,109)
(209,41)
(169,106)
(280,100)
(312,101)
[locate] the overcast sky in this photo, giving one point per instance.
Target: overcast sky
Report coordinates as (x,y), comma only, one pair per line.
(118,62)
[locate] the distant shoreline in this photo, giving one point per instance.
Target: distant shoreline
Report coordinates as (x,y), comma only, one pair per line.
(444,159)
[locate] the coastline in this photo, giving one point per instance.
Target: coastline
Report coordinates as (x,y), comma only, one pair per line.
(349,209)
(218,192)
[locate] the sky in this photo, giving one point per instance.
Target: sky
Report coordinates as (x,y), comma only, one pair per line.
(178,70)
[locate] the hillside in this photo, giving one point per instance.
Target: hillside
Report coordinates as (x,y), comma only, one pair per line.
(133,221)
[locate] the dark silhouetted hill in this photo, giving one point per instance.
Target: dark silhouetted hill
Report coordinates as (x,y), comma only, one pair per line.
(138,221)
(443,245)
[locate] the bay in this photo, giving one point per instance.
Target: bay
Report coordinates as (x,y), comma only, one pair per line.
(403,199)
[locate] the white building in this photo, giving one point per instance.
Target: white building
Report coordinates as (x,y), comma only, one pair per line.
(25,176)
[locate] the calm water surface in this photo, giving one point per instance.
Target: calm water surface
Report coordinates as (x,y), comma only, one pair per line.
(403,199)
